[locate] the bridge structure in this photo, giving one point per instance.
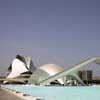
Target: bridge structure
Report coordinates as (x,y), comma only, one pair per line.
(72,72)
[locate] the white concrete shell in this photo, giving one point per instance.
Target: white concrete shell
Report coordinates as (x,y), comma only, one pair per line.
(45,71)
(18,67)
(53,69)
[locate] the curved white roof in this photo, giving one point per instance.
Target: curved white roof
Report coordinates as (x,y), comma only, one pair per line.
(53,69)
(18,67)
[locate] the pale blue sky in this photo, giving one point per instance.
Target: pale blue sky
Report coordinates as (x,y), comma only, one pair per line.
(51,31)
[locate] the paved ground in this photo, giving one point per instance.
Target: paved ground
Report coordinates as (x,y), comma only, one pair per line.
(5,95)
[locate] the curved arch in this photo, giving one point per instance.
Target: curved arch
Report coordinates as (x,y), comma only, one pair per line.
(72,71)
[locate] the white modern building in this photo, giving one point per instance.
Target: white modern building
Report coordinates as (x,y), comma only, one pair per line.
(21,67)
(45,71)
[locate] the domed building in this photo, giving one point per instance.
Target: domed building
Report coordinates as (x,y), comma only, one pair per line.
(45,71)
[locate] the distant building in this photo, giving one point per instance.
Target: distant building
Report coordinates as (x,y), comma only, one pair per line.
(85,74)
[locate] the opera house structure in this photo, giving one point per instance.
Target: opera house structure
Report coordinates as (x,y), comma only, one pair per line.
(21,67)
(22,70)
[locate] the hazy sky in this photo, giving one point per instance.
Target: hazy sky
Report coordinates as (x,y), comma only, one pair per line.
(63,32)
